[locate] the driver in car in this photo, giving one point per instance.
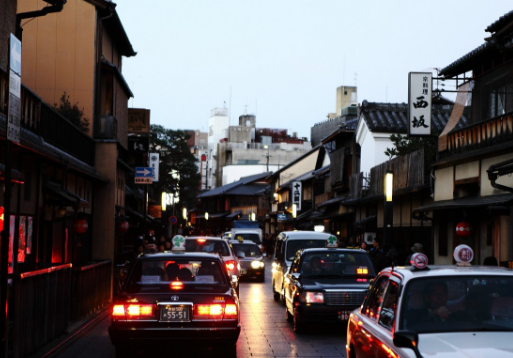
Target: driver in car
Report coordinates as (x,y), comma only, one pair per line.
(435,295)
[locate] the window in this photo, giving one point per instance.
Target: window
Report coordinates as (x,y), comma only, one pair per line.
(500,100)
(376,298)
(389,308)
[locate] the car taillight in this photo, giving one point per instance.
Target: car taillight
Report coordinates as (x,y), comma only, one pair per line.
(176,285)
(230,265)
(133,311)
(215,311)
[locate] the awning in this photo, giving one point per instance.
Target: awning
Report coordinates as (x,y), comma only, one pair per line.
(217,215)
(16,176)
(466,203)
(65,197)
(368,221)
(234,215)
(331,201)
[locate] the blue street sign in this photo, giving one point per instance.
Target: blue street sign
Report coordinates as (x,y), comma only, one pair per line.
(172,220)
(143,175)
(281,217)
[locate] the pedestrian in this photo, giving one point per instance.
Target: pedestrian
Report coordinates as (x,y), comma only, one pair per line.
(416,248)
(363,246)
(151,237)
(377,255)
(396,255)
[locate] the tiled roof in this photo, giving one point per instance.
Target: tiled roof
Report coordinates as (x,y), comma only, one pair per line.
(248,189)
(392,117)
(223,190)
(499,24)
(464,63)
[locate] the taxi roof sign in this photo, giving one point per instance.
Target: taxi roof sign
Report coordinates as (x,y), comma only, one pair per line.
(419,261)
(178,243)
(463,255)
(332,241)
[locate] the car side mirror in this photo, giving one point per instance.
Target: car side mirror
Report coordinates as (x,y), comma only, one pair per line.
(407,339)
(296,275)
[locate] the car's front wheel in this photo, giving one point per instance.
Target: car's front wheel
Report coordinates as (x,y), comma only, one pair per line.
(275,293)
(289,317)
(299,326)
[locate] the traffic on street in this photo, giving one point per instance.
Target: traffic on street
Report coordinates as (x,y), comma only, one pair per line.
(265,332)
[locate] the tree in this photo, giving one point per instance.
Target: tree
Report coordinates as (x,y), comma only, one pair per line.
(72,113)
(405,145)
(175,156)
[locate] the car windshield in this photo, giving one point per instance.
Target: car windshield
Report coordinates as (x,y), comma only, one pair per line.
(249,250)
(336,264)
(158,275)
(207,245)
(294,245)
(248,236)
(458,304)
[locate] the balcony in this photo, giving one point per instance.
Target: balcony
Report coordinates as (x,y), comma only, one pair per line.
(41,119)
(493,132)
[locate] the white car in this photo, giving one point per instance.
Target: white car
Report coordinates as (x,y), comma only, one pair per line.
(435,311)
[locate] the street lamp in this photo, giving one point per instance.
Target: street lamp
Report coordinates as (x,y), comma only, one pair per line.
(388,208)
(253,216)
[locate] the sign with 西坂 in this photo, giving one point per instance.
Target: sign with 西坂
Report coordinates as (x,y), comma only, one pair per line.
(419,103)
(143,175)
(296,194)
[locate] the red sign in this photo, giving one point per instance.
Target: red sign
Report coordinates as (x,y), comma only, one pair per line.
(80,226)
(463,229)
(173,220)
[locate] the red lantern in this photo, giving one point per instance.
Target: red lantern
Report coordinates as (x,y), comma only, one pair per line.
(463,229)
(1,218)
(123,226)
(80,226)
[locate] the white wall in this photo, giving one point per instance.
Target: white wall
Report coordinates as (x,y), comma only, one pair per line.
(217,129)
(233,173)
(373,146)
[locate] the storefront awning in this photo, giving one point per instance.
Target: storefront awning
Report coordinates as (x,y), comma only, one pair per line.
(65,197)
(466,203)
(217,215)
(368,221)
(234,215)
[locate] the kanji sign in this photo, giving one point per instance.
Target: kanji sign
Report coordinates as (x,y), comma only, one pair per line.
(419,103)
(296,194)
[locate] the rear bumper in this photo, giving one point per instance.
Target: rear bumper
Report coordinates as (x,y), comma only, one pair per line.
(190,336)
(323,313)
(253,273)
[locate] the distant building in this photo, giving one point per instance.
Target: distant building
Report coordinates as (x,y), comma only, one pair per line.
(346,109)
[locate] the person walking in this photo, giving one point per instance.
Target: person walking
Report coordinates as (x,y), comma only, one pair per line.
(416,248)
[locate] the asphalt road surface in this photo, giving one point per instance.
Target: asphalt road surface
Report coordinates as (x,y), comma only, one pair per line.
(265,333)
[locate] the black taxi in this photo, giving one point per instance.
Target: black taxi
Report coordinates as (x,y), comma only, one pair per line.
(324,285)
(176,299)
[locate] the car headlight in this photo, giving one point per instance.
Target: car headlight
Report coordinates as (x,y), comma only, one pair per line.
(311,297)
(257,264)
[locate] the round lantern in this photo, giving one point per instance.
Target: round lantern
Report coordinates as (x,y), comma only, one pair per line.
(463,229)
(80,226)
(123,226)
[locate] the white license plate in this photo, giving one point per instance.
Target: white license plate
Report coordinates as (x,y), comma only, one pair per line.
(174,313)
(243,272)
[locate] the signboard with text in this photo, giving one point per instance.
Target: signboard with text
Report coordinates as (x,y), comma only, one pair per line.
(143,175)
(138,120)
(154,164)
(297,194)
(419,103)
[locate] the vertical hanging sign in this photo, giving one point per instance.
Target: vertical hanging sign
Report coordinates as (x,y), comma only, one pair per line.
(296,194)
(419,103)
(154,164)
(13,121)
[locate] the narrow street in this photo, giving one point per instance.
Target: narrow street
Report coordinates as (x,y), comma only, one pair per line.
(265,333)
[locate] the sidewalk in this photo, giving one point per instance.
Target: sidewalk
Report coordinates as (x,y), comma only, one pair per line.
(75,331)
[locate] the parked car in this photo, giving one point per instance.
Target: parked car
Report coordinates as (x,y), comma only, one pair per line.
(176,300)
(443,311)
(287,244)
(325,285)
(215,245)
(251,259)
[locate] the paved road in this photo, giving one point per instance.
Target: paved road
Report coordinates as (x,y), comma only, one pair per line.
(265,333)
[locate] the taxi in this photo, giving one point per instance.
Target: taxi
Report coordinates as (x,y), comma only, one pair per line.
(444,311)
(251,259)
(176,300)
(324,285)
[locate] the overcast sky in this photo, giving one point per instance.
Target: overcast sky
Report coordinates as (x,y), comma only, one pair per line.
(283,60)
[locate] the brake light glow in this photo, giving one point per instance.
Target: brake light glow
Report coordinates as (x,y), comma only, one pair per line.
(215,311)
(362,270)
(133,311)
(176,285)
(201,240)
(230,265)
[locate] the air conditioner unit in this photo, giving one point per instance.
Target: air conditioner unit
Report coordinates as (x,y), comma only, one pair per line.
(107,128)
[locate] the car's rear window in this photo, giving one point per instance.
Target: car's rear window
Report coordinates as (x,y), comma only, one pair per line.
(249,250)
(337,263)
(207,245)
(248,236)
(294,245)
(161,273)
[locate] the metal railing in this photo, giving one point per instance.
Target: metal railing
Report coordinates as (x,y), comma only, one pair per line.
(90,289)
(40,308)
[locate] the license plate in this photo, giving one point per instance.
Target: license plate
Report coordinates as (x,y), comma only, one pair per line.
(344,315)
(174,313)
(243,271)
